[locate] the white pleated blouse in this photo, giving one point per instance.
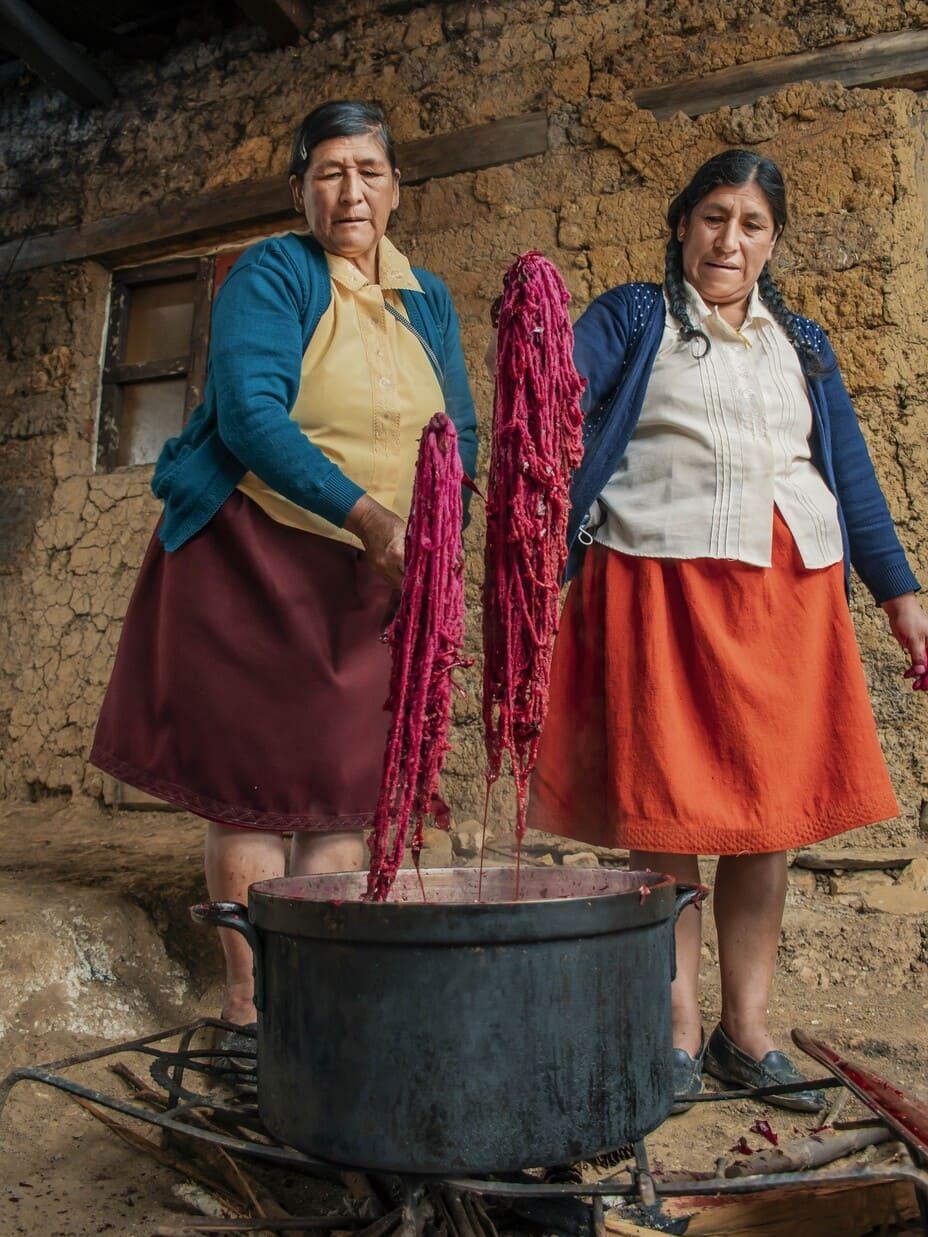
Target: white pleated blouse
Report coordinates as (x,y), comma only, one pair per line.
(722,439)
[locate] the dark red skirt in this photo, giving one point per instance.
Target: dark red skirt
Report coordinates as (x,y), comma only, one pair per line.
(250,677)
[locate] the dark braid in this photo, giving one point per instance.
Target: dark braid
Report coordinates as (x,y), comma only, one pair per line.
(733,167)
(676,295)
(772,297)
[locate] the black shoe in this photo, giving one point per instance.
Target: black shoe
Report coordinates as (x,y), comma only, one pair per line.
(687,1076)
(238,1065)
(726,1061)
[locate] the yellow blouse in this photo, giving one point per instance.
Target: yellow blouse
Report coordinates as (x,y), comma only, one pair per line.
(366,392)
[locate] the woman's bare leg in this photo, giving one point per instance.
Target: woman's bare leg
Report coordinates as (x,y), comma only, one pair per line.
(235,859)
(684,992)
(750,891)
(312,853)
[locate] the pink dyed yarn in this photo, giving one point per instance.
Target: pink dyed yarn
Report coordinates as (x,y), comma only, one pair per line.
(426,637)
(537,444)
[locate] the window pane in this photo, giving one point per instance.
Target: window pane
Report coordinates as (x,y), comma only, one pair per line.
(151,413)
(160,321)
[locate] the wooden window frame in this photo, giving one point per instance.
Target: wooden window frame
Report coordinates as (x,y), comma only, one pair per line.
(117,374)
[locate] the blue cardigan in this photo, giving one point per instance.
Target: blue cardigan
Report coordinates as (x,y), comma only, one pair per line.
(616,341)
(263,319)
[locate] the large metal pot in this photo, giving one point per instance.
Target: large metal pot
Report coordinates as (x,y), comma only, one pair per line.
(457,1036)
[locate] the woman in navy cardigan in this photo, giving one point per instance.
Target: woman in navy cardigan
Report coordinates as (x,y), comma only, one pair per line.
(250,677)
(707,692)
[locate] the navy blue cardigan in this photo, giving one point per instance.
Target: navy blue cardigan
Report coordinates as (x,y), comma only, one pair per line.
(616,341)
(264,317)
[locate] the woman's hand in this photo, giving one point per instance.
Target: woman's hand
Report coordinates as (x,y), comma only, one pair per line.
(909,625)
(383,535)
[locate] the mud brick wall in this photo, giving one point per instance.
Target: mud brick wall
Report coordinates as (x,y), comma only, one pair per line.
(218,112)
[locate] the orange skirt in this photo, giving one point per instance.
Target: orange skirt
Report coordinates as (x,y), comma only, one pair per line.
(707,706)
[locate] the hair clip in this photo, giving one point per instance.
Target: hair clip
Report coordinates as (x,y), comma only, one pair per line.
(304,154)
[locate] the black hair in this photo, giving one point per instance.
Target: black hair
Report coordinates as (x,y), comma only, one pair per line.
(733,167)
(339,118)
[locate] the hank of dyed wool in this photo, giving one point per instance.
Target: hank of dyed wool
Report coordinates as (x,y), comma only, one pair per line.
(425,638)
(536,446)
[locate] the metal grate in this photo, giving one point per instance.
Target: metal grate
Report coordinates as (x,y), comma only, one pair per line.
(225,1114)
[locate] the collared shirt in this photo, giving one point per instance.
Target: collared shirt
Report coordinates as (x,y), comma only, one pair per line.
(366,392)
(721,439)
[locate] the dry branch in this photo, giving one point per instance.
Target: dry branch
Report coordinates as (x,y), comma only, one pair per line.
(382,1226)
(164,1157)
(802,1153)
(204,1201)
(292,1224)
(359,1187)
(249,1190)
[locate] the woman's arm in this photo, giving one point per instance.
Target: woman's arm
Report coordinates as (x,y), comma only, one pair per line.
(876,552)
(256,352)
(600,340)
(459,402)
(909,624)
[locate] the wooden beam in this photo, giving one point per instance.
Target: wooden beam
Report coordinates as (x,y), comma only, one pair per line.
(220,214)
(899,58)
(474,148)
(199,334)
(182,268)
(283,20)
(53,58)
(148,371)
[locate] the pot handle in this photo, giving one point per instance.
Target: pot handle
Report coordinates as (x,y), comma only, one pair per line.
(688,895)
(234,916)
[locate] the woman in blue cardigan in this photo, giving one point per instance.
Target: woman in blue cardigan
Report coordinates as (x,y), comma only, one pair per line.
(250,678)
(707,692)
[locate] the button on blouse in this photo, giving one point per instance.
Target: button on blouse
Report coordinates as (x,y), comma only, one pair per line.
(367,390)
(722,439)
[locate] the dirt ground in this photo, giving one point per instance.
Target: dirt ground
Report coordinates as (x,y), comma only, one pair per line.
(95,945)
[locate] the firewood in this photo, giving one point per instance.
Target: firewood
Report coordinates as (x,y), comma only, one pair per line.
(140,1143)
(204,1201)
(839,1210)
(382,1226)
(293,1224)
(463,1225)
(138,1086)
(802,1153)
(235,1177)
(362,1191)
